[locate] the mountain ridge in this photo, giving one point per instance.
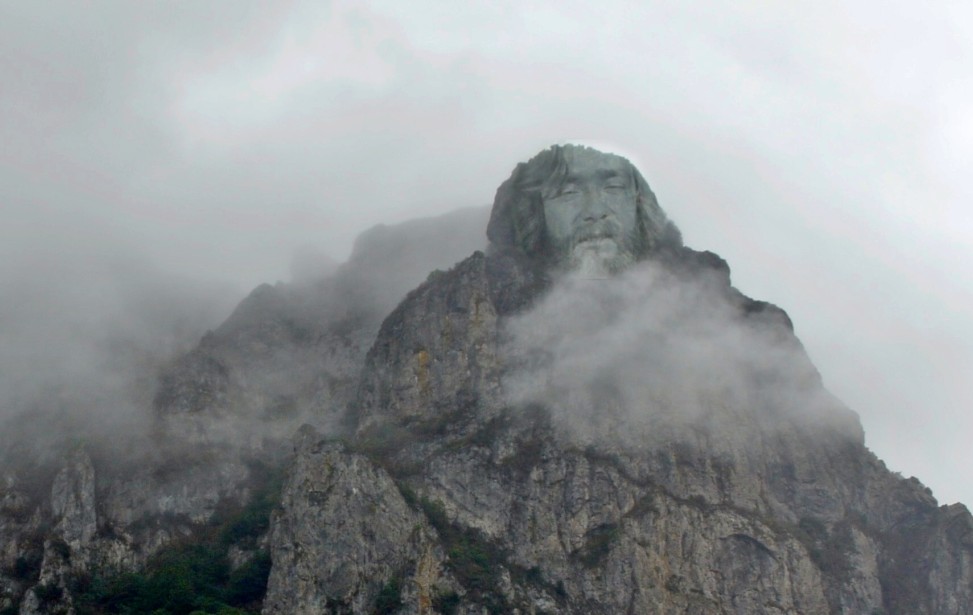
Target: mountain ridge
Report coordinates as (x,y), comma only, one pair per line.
(436,477)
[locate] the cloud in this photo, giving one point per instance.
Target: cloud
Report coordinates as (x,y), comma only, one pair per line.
(82,342)
(819,148)
(632,358)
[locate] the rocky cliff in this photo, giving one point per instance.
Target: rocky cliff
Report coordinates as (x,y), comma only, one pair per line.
(84,521)
(725,480)
(502,440)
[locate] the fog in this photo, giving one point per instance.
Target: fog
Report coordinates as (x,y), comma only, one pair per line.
(649,353)
(159,160)
(82,340)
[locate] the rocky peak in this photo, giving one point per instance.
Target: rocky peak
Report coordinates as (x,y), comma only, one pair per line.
(586,417)
(605,426)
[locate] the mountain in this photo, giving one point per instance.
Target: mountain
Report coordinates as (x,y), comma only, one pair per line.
(654,443)
(501,435)
(202,463)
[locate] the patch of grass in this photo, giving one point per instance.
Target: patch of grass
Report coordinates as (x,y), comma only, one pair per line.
(382,444)
(475,563)
(436,513)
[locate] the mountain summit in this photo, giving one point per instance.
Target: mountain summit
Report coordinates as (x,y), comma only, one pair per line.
(589,418)
(586,417)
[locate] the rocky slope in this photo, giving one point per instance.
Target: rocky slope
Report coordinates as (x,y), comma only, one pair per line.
(501,442)
(77,513)
(726,481)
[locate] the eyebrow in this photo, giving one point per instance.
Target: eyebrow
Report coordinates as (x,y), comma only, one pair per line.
(602,174)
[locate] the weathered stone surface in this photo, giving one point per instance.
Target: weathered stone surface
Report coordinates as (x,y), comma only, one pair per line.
(291,353)
(656,444)
(342,533)
(747,508)
(224,416)
(73,501)
(516,440)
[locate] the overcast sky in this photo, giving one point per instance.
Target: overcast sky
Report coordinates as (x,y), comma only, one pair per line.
(820,147)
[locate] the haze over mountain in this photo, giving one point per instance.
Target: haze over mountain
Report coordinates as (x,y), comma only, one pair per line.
(527,430)
(820,149)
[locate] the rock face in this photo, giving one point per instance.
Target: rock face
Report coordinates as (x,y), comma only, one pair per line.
(291,354)
(344,526)
(760,499)
(223,417)
(513,437)
(651,441)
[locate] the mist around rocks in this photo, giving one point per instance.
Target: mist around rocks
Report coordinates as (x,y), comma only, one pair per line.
(82,339)
(666,360)
(85,337)
(630,358)
(654,442)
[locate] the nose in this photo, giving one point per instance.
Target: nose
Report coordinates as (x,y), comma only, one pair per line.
(595,208)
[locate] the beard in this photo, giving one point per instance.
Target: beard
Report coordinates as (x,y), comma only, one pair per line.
(598,250)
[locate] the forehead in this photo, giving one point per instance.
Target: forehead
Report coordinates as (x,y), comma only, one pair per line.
(586,162)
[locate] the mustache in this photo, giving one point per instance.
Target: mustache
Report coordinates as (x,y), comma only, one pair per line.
(607,228)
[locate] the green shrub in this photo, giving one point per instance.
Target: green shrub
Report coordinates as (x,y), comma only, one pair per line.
(474,564)
(474,560)
(436,513)
(598,544)
(244,526)
(389,599)
(27,567)
(194,577)
(446,602)
(48,592)
(248,583)
(61,548)
(251,523)
(408,494)
(181,576)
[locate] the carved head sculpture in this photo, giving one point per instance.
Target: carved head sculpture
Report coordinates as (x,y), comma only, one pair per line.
(578,209)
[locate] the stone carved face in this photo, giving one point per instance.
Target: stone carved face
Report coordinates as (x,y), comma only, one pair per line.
(571,207)
(591,215)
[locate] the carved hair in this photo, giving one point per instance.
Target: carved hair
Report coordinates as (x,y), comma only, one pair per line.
(517,219)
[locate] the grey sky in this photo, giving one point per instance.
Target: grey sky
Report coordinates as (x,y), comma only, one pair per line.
(821,148)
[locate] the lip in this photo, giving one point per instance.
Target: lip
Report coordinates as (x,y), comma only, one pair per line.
(597,245)
(596,237)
